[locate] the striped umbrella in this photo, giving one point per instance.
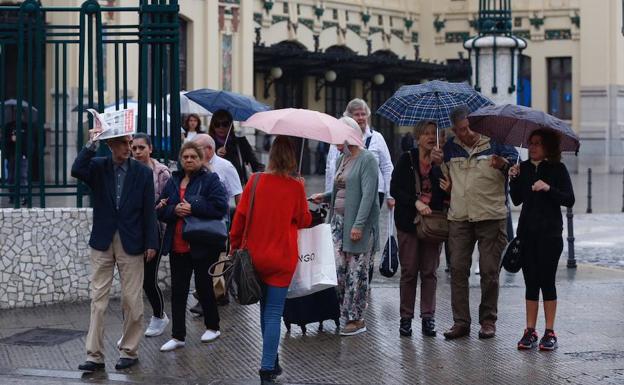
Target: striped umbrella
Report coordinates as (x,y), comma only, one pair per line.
(433,100)
(512,124)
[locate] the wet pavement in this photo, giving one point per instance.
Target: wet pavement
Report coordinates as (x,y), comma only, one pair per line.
(590,326)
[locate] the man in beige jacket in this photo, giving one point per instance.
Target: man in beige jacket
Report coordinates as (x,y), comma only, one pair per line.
(477,168)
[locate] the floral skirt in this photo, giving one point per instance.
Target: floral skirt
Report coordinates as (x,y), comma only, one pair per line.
(352,272)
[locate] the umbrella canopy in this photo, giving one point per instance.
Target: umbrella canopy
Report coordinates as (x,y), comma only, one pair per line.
(305,124)
(433,100)
(10,110)
(512,124)
(241,107)
(187,106)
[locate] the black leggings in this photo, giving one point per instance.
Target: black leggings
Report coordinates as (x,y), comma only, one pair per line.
(151,288)
(540,257)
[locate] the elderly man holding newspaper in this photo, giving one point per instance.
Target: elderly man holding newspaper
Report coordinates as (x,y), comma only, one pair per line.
(123,234)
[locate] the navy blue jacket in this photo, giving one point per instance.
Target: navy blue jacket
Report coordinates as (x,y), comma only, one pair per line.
(136,218)
(209,202)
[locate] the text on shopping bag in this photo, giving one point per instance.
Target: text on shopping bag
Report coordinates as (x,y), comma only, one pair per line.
(316,268)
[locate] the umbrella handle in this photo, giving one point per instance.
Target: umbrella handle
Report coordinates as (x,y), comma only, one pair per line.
(228,134)
(301,155)
(437,136)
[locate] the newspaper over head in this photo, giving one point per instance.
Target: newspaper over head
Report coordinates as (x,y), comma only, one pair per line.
(113,124)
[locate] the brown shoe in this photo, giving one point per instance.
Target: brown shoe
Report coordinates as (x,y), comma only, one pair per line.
(457,331)
(488,330)
(353,327)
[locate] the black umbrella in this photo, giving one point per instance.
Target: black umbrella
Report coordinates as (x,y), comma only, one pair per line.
(10,110)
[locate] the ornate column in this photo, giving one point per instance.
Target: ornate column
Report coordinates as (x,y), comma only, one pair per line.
(494,52)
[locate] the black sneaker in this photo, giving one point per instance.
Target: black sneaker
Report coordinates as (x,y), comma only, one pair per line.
(428,327)
(406,327)
(528,340)
(267,377)
(548,341)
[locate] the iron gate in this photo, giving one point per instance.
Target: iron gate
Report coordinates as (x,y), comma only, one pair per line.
(51,72)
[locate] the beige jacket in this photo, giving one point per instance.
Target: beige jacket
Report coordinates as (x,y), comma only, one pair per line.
(478,190)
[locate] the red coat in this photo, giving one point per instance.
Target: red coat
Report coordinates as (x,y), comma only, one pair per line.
(280,209)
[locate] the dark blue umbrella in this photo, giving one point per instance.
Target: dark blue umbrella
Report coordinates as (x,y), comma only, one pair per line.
(433,100)
(512,124)
(241,107)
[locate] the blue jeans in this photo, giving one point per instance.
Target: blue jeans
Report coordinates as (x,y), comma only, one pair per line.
(271,310)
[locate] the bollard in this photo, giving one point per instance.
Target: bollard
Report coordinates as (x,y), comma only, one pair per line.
(589,188)
(571,257)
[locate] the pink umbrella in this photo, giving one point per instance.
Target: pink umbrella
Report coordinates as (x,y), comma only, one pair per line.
(305,124)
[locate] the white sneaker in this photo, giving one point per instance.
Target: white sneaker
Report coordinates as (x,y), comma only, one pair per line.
(210,335)
(157,326)
(172,344)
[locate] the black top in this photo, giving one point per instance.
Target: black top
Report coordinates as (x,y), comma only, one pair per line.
(541,211)
(239,153)
(403,190)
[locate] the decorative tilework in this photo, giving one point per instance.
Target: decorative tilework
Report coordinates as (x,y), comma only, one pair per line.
(307,22)
(558,34)
(279,18)
(456,37)
(355,28)
(523,33)
(44,257)
(398,33)
(257,18)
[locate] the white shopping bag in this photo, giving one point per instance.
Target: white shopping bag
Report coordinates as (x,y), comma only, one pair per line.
(316,269)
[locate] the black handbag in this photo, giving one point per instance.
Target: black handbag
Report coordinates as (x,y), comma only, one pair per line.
(241,277)
(203,230)
(390,256)
(512,256)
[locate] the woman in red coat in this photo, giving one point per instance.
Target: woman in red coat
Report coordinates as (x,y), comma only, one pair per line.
(279,210)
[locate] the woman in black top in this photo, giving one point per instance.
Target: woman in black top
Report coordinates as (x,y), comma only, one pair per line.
(237,149)
(418,256)
(542,185)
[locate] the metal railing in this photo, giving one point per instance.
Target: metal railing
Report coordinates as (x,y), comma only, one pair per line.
(42,132)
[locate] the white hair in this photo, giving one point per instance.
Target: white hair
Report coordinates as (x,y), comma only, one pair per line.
(353,124)
(356,104)
(205,139)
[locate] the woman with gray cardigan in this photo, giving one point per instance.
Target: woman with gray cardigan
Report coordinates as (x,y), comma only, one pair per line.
(354,218)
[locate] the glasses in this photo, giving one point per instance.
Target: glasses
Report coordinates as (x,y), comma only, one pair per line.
(138,147)
(222,124)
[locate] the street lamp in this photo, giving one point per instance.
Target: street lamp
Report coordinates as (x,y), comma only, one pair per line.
(377,79)
(329,77)
(270,77)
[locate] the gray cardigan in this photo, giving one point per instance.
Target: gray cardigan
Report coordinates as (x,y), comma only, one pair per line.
(361,209)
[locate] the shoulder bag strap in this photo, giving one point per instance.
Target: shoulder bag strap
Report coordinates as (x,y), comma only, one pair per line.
(250,209)
(368,140)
